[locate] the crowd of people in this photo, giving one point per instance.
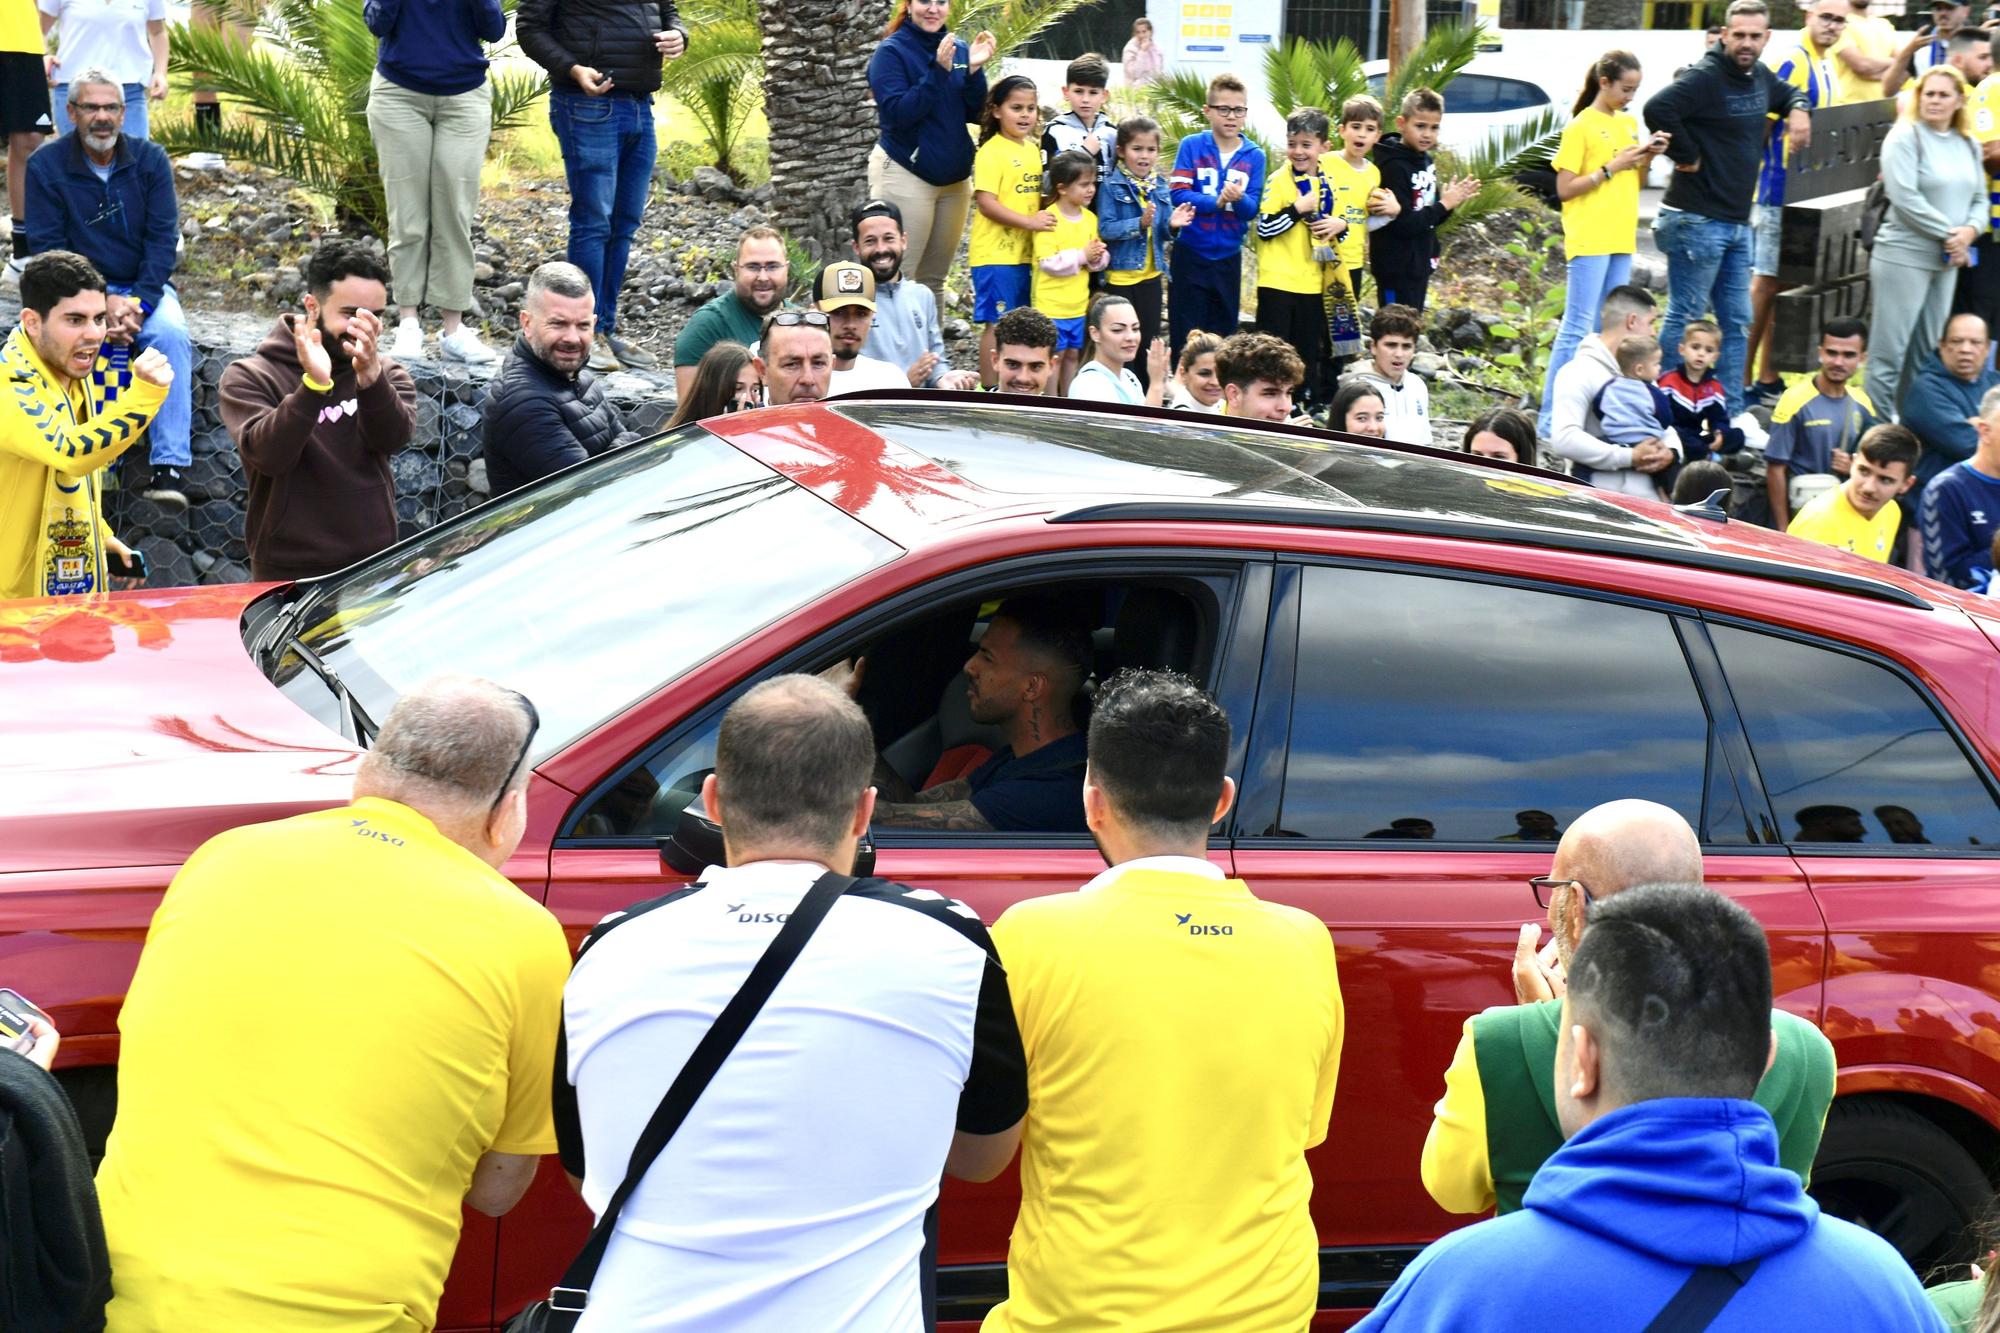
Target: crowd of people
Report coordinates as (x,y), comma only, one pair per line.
(1642,1120)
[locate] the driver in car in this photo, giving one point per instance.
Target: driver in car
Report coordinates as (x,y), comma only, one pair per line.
(1026,677)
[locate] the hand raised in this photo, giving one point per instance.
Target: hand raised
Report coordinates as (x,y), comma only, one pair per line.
(1182,216)
(313,356)
(1537,973)
(1158,361)
(983,49)
(362,342)
(947,51)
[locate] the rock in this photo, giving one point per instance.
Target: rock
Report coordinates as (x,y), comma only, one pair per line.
(714,183)
(262,280)
(475,477)
(957,328)
(763,194)
(226,571)
(482,272)
(746,217)
(511,291)
(1428,364)
(1650,272)
(1468,334)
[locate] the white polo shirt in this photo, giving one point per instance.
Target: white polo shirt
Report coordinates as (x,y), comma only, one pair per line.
(794,1195)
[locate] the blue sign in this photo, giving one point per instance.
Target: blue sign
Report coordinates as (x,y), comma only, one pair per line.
(1257,38)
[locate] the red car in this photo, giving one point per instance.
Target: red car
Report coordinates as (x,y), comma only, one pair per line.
(1433,665)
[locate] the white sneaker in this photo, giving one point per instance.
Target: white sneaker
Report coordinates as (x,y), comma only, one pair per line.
(462,344)
(409,341)
(204,161)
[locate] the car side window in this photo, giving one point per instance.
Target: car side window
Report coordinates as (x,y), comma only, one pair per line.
(1849,751)
(647,802)
(1433,708)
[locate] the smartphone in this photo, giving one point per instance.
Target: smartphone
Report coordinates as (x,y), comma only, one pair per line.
(121,568)
(15,1013)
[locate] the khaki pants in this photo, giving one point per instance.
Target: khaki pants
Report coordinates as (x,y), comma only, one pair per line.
(431,149)
(933,219)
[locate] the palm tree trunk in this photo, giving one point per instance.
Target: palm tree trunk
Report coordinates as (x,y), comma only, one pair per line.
(821,114)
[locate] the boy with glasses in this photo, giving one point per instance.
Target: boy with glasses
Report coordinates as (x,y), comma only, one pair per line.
(1221,174)
(1495,1124)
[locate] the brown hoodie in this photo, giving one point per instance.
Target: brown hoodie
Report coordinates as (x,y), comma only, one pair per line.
(321,492)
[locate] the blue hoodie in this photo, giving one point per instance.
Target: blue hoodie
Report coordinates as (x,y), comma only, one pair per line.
(1614,1223)
(923,108)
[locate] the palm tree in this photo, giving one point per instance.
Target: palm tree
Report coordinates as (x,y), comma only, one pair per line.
(720,78)
(821,113)
(304,91)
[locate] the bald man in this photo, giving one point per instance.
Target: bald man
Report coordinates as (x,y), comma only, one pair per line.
(1496,1123)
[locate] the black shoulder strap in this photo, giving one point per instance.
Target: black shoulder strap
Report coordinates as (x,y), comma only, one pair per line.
(709,1053)
(1701,1298)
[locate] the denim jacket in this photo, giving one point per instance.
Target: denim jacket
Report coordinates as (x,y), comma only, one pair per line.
(1120,200)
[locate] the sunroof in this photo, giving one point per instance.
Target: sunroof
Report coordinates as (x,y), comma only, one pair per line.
(1030,451)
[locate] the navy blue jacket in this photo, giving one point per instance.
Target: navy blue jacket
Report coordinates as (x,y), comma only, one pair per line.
(127,226)
(1939,407)
(1625,1211)
(539,420)
(924,108)
(433,46)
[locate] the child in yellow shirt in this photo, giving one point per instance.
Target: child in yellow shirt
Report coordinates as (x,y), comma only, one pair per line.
(1066,254)
(1007,195)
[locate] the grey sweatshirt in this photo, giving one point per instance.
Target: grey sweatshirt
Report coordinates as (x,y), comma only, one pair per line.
(1935,182)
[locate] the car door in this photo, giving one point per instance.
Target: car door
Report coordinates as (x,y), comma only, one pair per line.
(1896,826)
(608,855)
(1422,737)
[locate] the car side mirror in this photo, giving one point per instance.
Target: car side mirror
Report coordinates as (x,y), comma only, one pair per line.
(696,844)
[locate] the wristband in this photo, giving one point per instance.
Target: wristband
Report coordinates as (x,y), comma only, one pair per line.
(316,388)
(1605,171)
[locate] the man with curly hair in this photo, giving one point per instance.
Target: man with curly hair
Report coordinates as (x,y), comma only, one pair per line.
(1259,374)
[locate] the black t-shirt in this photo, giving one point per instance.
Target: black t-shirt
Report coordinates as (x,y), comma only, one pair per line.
(1038,792)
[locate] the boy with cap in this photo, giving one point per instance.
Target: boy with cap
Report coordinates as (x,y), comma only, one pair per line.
(845,293)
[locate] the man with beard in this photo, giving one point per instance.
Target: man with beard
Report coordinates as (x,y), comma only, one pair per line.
(1024,678)
(316,413)
(545,410)
(100,193)
(58,429)
(906,332)
(762,276)
(1717,115)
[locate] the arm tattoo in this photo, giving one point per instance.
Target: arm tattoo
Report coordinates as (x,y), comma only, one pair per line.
(951,816)
(958,789)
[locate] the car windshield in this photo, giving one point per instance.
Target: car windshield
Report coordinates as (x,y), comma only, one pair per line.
(587,592)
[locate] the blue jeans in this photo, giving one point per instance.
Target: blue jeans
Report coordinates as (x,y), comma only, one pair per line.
(608,149)
(1589,279)
(135,109)
(167,439)
(1708,267)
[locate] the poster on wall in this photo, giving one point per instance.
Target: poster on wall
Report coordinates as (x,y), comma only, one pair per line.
(1210,36)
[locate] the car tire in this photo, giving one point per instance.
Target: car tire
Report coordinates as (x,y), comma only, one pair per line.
(1892,1170)
(93,1092)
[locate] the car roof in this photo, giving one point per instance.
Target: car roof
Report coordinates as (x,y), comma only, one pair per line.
(915,464)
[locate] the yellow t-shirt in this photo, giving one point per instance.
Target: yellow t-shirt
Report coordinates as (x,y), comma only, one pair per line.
(1830,519)
(1985,129)
(1012,173)
(333,1017)
(1351,187)
(1162,1010)
(1873,36)
(1604,220)
(20,27)
(1063,298)
(1285,262)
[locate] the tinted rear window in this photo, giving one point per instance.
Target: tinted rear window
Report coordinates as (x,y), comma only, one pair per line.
(1849,751)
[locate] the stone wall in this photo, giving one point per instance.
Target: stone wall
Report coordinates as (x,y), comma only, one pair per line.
(439,476)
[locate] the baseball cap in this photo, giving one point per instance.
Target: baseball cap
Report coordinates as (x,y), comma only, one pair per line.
(844,284)
(875,208)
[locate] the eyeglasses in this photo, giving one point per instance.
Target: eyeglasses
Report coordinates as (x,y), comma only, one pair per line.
(1545,889)
(791,319)
(1229,110)
(100,108)
(527,741)
(763,269)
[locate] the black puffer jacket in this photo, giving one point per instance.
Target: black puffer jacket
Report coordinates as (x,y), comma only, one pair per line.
(613,37)
(539,420)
